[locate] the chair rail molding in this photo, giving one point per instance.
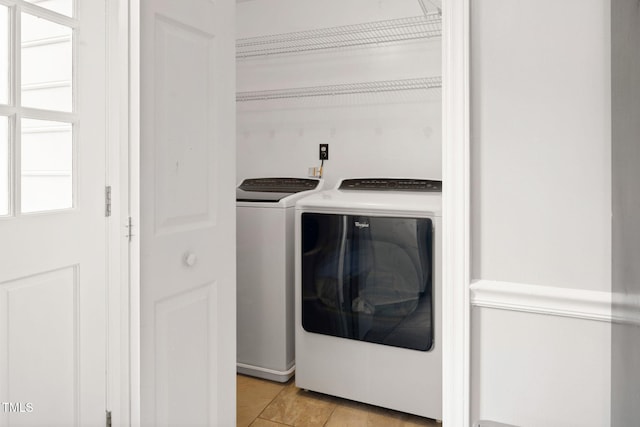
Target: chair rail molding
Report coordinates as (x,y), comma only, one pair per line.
(550,300)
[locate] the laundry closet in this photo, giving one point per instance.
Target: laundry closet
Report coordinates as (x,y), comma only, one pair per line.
(363,76)
(347,93)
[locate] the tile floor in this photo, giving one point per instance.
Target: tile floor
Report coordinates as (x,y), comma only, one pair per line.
(263,403)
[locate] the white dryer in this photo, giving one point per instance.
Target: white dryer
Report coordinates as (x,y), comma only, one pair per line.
(368,293)
(265,274)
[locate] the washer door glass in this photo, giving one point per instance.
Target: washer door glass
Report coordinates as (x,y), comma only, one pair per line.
(368,278)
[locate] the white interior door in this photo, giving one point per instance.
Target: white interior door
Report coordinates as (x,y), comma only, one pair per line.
(52,213)
(187,212)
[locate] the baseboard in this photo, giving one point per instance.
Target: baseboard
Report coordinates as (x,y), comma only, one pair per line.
(555,301)
(267,374)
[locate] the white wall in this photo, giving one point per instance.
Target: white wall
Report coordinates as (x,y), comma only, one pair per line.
(545,371)
(391,134)
(541,209)
(625,62)
(541,142)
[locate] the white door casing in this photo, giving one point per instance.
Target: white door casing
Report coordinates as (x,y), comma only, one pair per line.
(120,385)
(455,214)
(53,251)
(187,211)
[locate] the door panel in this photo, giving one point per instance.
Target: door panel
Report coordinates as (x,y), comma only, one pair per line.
(52,224)
(187,212)
(184,361)
(185,122)
(42,313)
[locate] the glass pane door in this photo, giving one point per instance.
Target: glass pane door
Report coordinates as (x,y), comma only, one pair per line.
(4,119)
(37,112)
(4,166)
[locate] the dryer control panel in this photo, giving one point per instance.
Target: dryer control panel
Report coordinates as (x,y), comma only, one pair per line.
(391,184)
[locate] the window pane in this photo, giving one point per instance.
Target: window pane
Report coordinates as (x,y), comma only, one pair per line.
(46,64)
(4,166)
(47,165)
(64,7)
(4,55)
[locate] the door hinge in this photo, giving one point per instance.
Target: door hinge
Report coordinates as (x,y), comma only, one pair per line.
(107,200)
(129,230)
(108,418)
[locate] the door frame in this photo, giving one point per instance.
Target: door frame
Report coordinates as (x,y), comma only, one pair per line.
(455,213)
(124,293)
(123,257)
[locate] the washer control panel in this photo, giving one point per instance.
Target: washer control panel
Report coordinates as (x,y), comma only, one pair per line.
(278,185)
(391,184)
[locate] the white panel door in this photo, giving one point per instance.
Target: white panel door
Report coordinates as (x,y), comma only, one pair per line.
(187,211)
(52,213)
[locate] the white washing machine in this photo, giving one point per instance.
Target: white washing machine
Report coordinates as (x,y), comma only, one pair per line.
(368,293)
(265,274)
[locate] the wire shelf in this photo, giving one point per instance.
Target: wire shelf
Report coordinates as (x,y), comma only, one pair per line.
(343,89)
(370,33)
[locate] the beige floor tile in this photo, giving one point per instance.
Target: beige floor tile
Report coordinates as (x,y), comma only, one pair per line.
(414,421)
(265,423)
(253,395)
(296,407)
(353,414)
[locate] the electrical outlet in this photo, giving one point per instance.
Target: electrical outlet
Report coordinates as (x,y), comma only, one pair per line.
(324,151)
